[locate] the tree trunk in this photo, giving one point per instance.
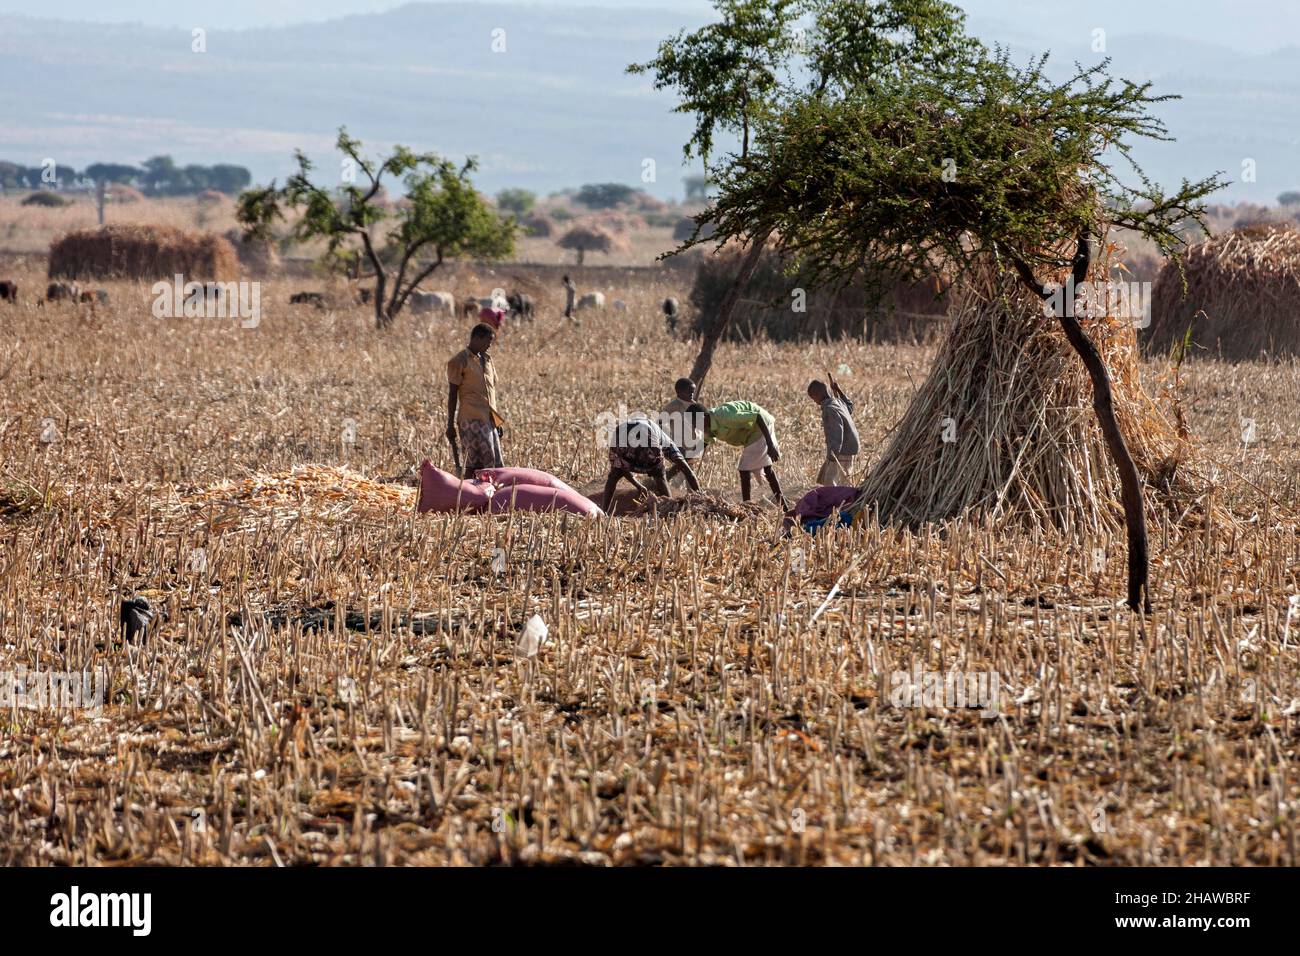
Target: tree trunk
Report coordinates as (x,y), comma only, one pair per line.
(382,318)
(1135,520)
(704,361)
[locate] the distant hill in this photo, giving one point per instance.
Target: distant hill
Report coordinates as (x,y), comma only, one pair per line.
(554,110)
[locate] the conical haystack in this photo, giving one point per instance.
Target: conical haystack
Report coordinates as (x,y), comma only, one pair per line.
(1004,424)
(1243,296)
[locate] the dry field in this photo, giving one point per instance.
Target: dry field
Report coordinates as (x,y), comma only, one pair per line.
(336,678)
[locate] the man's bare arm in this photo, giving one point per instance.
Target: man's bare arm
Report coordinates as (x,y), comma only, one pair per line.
(453,395)
(772,451)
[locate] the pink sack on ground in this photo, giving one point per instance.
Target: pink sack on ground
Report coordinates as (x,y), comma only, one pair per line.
(537,498)
(504,477)
(823,501)
(440,491)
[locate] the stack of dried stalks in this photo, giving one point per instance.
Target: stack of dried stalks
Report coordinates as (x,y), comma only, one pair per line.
(142,252)
(256,256)
(1242,296)
(1004,423)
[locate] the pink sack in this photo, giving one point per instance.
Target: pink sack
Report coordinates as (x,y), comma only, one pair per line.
(440,491)
(537,498)
(504,477)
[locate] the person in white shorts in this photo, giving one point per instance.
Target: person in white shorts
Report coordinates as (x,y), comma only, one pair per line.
(748,426)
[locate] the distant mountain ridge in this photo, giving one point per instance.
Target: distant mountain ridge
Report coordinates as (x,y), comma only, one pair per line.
(554,109)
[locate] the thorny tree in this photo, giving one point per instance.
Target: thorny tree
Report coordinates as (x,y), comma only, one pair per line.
(761,55)
(443,218)
(975,160)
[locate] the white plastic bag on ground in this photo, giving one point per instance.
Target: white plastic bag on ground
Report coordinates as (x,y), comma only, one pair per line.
(531,637)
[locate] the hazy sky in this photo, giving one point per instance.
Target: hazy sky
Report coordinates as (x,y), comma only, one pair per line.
(1254,26)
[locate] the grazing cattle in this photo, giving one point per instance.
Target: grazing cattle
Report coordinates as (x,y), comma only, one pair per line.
(670,308)
(134,617)
(9,292)
(592,300)
(308,298)
(62,292)
(424,303)
(619,305)
(94,297)
(521,306)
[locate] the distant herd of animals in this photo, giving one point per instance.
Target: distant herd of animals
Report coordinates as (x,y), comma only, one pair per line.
(56,292)
(517,306)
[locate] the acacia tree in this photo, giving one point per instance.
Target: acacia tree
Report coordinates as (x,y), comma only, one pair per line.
(582,239)
(443,218)
(973,160)
(762,55)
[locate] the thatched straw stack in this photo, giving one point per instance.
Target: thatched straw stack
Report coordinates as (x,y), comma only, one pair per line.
(256,257)
(142,252)
(120,192)
(1003,426)
(1242,300)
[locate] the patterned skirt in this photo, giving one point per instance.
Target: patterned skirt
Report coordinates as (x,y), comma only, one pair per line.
(481,445)
(639,460)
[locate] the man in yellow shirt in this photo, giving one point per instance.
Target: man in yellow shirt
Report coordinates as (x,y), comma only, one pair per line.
(472,403)
(745,425)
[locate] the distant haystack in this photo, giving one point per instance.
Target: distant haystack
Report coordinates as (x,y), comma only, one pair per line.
(256,257)
(142,252)
(1242,299)
(121,192)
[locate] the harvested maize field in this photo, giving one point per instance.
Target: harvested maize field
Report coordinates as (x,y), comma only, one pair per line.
(332,678)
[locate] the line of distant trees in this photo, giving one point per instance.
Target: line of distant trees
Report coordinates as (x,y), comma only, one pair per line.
(158,176)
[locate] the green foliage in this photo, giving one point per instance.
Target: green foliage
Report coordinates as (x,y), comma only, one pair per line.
(761,53)
(160,176)
(1289,198)
(726,71)
(444,218)
(47,199)
(605,195)
(972,157)
(517,202)
(113,173)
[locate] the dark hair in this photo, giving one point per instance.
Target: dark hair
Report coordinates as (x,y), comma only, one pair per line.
(818,385)
(481,331)
(682,383)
